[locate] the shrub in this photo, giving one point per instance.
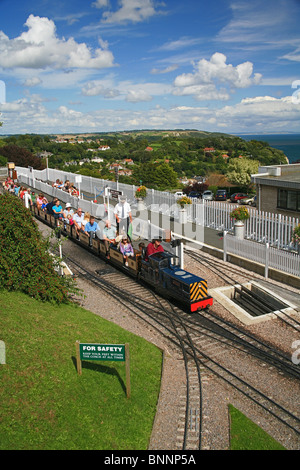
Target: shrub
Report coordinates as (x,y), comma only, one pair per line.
(25,263)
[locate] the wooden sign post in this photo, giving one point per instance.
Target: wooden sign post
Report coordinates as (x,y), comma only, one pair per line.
(104,352)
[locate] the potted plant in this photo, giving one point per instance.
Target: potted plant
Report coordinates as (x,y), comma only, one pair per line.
(240,214)
(140,195)
(182,202)
(141,192)
(296,237)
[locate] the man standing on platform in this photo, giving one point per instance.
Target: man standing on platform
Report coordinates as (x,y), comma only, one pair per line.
(123,216)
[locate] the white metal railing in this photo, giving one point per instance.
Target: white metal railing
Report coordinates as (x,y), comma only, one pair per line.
(264,254)
(3,172)
(262,227)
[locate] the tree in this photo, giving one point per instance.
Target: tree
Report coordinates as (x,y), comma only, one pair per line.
(21,156)
(240,170)
(164,177)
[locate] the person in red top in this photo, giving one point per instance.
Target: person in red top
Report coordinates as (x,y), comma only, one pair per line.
(153,247)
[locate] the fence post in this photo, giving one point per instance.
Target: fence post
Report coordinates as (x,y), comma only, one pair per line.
(224,246)
(267,260)
(279,231)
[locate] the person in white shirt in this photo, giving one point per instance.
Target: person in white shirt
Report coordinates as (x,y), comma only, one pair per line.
(27,199)
(123,216)
(78,219)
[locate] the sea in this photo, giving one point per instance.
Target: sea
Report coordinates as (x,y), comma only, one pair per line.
(288,143)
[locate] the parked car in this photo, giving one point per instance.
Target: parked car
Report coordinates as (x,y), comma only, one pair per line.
(179,194)
(248,201)
(221,195)
(253,203)
(237,197)
(208,195)
(194,194)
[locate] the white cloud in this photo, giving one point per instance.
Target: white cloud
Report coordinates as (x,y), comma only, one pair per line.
(131,11)
(184,42)
(168,69)
(125,90)
(202,92)
(209,74)
(136,96)
(271,114)
(33,81)
(96,88)
(39,47)
(257,21)
(101,3)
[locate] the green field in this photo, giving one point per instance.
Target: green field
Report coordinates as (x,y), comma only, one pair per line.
(45,404)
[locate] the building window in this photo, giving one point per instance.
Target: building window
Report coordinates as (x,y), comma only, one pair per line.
(288,199)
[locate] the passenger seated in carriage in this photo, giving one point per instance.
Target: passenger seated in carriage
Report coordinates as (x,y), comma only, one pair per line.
(91,228)
(109,237)
(78,219)
(68,212)
(126,249)
(57,210)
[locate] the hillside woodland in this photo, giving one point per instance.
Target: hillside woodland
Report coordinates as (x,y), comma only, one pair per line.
(163,160)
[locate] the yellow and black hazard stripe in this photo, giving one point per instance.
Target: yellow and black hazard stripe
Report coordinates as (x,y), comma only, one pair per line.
(198,290)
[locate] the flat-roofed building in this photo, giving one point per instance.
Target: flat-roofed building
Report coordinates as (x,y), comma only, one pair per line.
(278,189)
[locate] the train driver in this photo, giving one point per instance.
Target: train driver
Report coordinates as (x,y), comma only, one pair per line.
(153,247)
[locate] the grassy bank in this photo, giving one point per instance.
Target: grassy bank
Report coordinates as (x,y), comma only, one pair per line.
(45,404)
(246,435)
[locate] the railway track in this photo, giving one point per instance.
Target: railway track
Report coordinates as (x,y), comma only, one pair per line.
(231,280)
(208,347)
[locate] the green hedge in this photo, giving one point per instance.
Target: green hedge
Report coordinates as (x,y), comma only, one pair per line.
(25,262)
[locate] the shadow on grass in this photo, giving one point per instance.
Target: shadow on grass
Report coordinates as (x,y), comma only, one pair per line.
(102,369)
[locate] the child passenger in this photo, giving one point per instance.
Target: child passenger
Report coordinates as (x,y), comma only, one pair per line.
(126,249)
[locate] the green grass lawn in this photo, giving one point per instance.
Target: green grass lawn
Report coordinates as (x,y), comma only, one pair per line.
(45,404)
(246,435)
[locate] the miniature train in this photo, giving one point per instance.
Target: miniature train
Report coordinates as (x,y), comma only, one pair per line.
(162,271)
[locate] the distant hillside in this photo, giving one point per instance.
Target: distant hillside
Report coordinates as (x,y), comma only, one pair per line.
(147,134)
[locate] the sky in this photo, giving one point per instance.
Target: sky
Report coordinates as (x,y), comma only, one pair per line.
(114,65)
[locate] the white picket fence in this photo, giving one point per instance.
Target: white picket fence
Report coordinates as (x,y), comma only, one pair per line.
(262,227)
(264,254)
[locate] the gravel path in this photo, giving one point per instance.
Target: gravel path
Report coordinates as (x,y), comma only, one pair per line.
(216,395)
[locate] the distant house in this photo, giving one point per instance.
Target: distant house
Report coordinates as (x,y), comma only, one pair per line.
(149,149)
(278,189)
(115,165)
(125,172)
(128,161)
(225,156)
(209,149)
(104,147)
